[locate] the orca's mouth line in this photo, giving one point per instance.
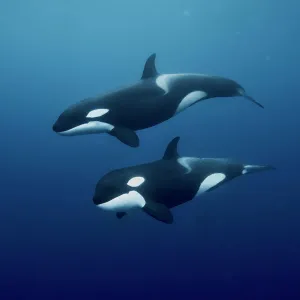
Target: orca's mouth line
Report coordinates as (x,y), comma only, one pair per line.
(88,128)
(125,201)
(113,199)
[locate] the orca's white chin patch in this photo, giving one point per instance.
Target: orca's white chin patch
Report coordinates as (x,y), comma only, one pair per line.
(88,128)
(124,202)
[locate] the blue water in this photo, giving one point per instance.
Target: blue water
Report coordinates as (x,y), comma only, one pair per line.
(239,242)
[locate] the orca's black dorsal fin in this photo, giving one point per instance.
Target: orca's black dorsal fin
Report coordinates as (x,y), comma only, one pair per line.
(149,68)
(171,151)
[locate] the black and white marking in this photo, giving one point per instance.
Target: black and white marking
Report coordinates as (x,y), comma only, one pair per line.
(158,186)
(154,99)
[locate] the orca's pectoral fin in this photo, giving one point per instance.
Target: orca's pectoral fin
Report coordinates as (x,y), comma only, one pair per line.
(120,215)
(253,100)
(126,136)
(159,212)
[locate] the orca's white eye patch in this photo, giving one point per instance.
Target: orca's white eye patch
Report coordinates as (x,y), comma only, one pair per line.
(97,113)
(136,181)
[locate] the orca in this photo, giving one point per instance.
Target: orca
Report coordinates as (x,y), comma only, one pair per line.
(154,99)
(158,186)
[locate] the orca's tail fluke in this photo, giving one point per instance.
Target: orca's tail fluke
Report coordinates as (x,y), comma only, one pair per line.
(241,92)
(253,100)
(248,169)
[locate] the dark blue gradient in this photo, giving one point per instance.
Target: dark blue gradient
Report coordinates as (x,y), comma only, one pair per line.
(239,242)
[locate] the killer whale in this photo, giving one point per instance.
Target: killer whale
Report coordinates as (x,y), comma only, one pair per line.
(154,99)
(158,186)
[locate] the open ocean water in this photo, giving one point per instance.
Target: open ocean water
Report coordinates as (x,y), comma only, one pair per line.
(240,241)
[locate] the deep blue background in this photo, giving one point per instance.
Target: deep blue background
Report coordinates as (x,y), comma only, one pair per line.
(238,242)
